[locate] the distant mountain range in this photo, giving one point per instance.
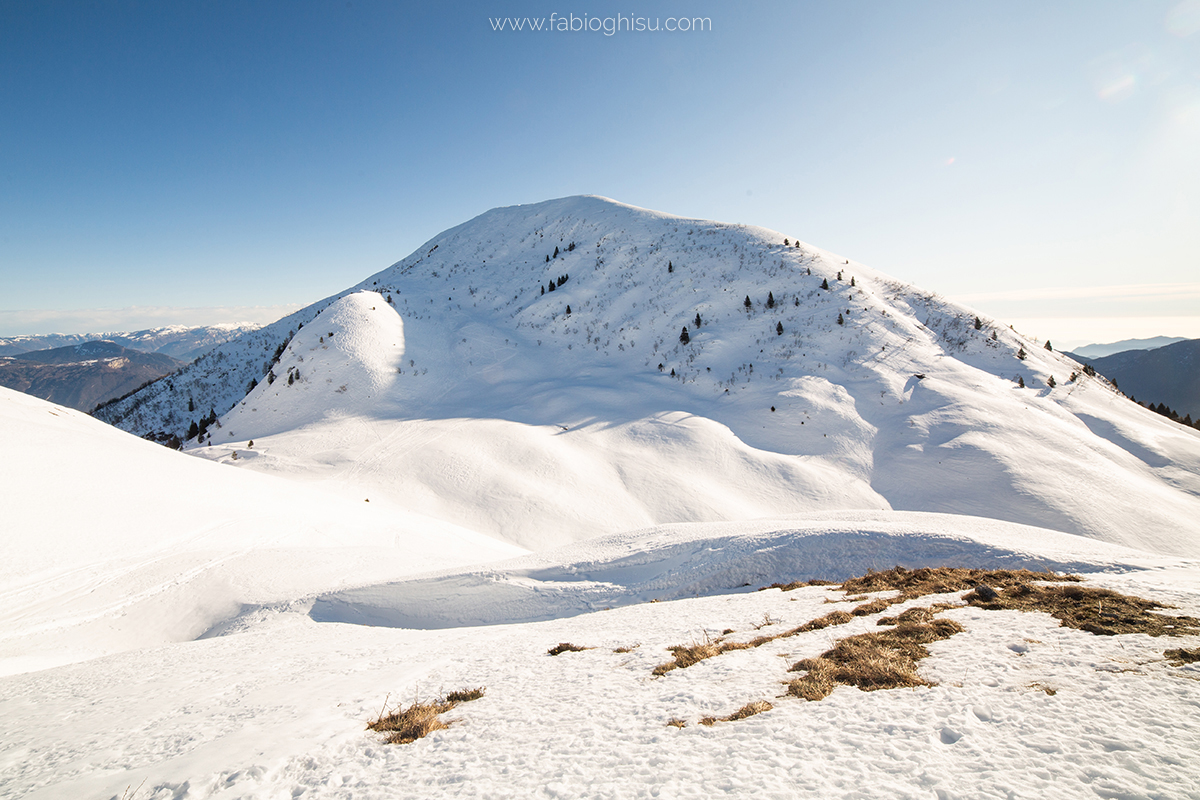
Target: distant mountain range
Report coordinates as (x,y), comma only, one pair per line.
(178,341)
(84,375)
(1168,375)
(1102,350)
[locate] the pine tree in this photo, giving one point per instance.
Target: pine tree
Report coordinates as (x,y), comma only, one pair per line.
(1021,353)
(570,247)
(1052,383)
(193,430)
(672,372)
(683,336)
(746,302)
(839,275)
(291,379)
(670,267)
(1048,347)
(840,320)
(191,407)
(786,243)
(250,443)
(547,259)
(552,286)
(556,252)
(825,284)
(568,309)
(978,324)
(1020,382)
(697,320)
(770,300)
(779,329)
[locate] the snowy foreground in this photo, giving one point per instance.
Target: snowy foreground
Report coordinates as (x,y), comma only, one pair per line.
(273,700)
(280,711)
(424,483)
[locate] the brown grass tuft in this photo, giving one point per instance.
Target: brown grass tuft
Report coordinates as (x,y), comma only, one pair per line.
(406,725)
(676,722)
(918,614)
(566,647)
(749,710)
(1099,611)
(466,695)
(880,660)
(787,587)
(829,620)
(1180,656)
(709,721)
(629,649)
(873,607)
(687,655)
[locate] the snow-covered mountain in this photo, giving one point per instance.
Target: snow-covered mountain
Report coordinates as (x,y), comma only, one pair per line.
(524,374)
(459,380)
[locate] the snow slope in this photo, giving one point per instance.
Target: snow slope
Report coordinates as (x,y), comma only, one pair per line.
(112,543)
(468,393)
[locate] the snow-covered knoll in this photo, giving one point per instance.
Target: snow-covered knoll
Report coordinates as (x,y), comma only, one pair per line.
(112,543)
(466,391)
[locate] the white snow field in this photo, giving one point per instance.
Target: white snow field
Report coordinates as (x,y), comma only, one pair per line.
(450,474)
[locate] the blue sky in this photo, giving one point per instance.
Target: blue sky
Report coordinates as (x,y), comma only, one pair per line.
(199,162)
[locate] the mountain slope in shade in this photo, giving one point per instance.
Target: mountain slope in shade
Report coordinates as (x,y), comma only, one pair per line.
(1169,374)
(84,375)
(469,391)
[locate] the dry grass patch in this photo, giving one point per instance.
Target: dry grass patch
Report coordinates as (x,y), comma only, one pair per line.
(827,621)
(676,722)
(1100,611)
(566,647)
(687,655)
(749,710)
(1180,656)
(629,649)
(943,580)
(870,661)
(873,607)
(787,587)
(406,725)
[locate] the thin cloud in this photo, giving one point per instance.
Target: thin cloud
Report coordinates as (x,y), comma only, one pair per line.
(1174,291)
(102,320)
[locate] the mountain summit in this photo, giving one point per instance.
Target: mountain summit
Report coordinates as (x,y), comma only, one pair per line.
(556,371)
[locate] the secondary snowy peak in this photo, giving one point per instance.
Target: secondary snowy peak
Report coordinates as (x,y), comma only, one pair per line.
(579,354)
(341,364)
